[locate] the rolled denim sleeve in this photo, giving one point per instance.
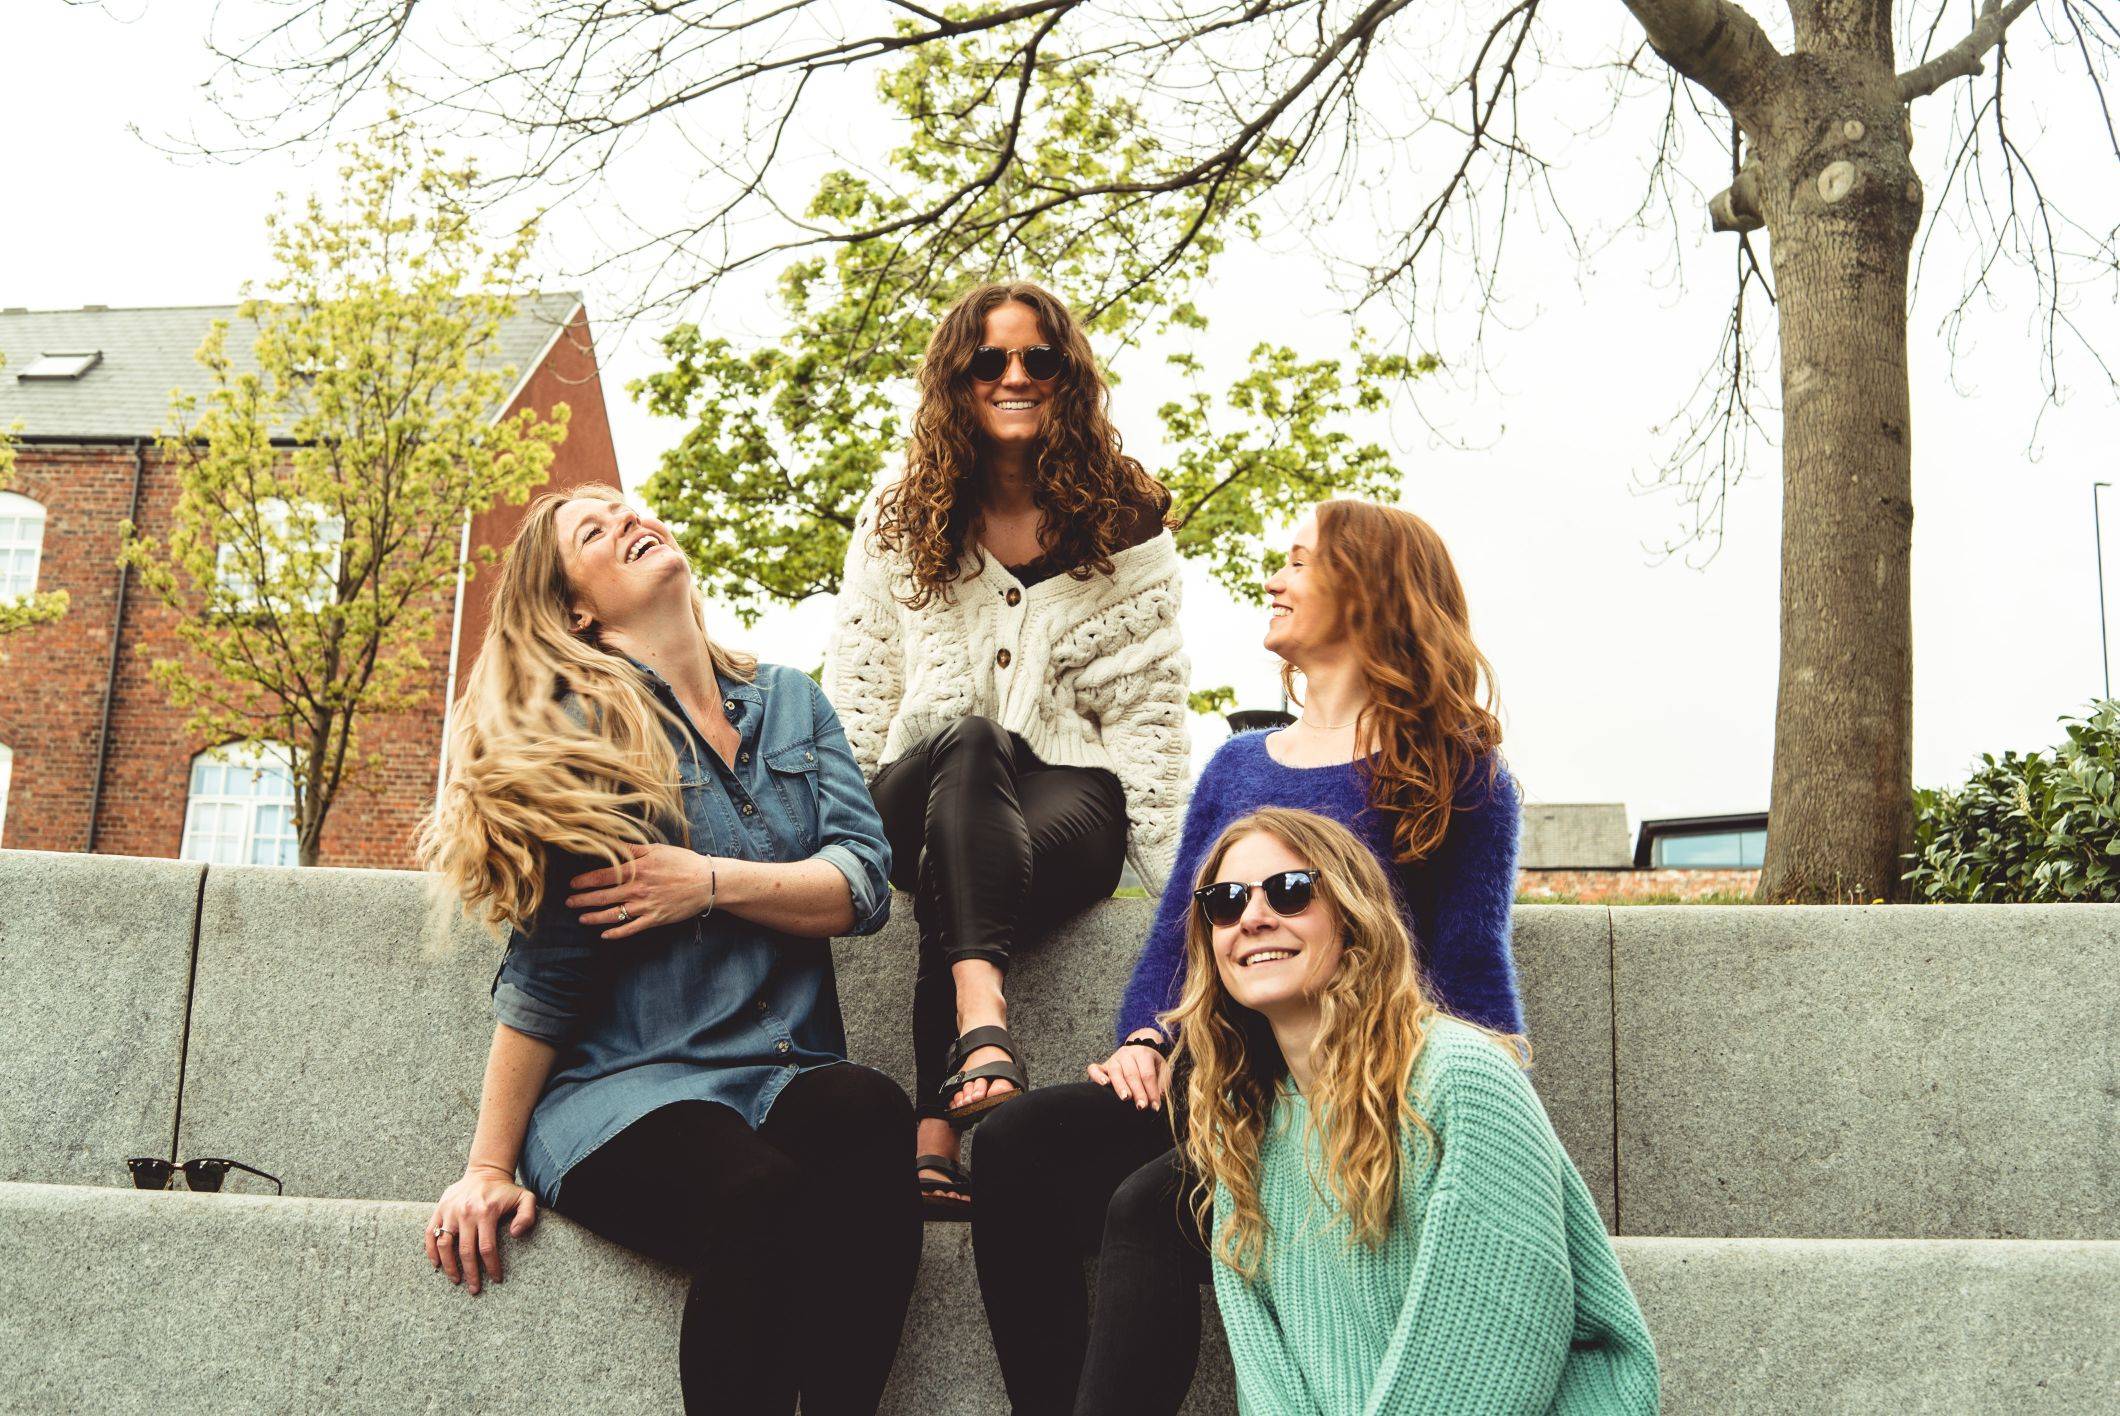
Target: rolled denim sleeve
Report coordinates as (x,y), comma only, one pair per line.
(548,972)
(848,829)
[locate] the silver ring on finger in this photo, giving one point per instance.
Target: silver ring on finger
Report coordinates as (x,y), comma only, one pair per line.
(441,1233)
(623,917)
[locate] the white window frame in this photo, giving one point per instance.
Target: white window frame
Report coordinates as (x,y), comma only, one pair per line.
(241,595)
(21,529)
(7,772)
(225,824)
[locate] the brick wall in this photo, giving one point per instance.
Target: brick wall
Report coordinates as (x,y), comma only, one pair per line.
(1591,887)
(51,685)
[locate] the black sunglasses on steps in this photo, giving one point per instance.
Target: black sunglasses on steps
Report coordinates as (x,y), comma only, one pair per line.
(204,1175)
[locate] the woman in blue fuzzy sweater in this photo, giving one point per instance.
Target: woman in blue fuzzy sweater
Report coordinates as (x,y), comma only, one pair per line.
(1370,612)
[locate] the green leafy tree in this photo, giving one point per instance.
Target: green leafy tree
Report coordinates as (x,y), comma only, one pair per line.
(326,480)
(40,607)
(1219,699)
(784,441)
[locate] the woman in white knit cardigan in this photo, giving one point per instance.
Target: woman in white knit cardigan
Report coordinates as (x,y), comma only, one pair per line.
(1008,669)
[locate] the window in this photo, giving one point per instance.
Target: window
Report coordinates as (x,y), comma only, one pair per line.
(59,367)
(7,763)
(1734,850)
(21,544)
(233,567)
(241,806)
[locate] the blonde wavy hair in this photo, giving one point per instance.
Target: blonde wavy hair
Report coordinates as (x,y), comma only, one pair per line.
(1373,1019)
(558,741)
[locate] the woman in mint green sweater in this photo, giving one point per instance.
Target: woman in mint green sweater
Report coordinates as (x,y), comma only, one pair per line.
(1397,1229)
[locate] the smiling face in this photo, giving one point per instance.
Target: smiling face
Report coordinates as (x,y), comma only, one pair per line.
(618,561)
(1012,407)
(1273,963)
(1303,614)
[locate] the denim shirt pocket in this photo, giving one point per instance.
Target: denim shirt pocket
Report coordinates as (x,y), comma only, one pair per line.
(793,769)
(703,796)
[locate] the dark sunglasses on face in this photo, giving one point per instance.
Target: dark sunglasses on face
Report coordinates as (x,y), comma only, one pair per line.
(1040,362)
(1288,893)
(204,1175)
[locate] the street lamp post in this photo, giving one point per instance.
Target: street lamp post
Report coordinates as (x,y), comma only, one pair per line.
(2105,654)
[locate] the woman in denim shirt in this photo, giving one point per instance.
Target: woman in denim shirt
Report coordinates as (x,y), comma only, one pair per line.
(672,832)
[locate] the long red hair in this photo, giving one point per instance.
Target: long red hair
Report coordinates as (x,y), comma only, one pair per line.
(1430,715)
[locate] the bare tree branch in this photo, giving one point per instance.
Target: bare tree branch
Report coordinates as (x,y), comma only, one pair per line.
(1963,59)
(1736,207)
(1712,42)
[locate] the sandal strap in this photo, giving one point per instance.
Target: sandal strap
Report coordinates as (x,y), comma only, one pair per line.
(991,1035)
(995,1071)
(956,1178)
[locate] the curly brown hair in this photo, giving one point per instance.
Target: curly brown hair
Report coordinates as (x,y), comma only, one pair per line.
(1401,603)
(1091,494)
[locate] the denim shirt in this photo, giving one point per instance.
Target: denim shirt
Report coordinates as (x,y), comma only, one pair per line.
(715,1009)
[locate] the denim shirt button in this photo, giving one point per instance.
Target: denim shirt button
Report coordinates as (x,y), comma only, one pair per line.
(743,757)
(749,809)
(781,1046)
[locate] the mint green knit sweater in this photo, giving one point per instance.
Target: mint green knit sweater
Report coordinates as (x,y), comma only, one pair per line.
(1497,1290)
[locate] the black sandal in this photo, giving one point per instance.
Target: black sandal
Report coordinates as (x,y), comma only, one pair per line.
(934,1194)
(1011,1070)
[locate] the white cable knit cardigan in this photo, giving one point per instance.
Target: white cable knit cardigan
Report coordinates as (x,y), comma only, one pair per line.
(1089,673)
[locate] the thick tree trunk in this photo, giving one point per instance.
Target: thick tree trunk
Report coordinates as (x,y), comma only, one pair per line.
(1841,204)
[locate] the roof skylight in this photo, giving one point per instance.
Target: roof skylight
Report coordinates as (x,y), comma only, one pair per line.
(56,367)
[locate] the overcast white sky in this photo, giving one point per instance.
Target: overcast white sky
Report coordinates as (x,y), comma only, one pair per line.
(1622,678)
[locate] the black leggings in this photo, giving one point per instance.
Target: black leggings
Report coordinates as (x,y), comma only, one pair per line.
(987,838)
(803,1237)
(1066,1173)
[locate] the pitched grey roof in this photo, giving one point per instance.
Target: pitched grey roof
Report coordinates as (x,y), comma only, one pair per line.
(147,353)
(1575,836)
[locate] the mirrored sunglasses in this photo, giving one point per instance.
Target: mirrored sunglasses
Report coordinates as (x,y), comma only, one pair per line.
(1288,893)
(1040,362)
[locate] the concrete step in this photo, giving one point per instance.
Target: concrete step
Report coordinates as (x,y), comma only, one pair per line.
(1756,1071)
(122,1301)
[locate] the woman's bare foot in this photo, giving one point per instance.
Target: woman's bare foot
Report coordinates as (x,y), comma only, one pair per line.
(980,1004)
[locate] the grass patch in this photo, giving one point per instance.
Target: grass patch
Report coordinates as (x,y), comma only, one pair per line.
(1713,897)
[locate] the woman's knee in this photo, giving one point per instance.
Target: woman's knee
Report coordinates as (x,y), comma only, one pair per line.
(1152,1206)
(863,1094)
(854,1105)
(972,733)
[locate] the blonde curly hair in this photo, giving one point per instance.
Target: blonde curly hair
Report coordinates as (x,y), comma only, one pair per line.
(1373,1016)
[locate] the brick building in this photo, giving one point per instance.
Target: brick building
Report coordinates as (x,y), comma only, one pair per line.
(92,755)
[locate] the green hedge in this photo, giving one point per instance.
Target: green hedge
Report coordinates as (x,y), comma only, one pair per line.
(2041,828)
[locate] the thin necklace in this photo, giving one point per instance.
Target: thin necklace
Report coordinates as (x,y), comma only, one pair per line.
(1330,727)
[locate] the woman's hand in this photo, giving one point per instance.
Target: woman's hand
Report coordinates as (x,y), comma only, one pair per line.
(659,885)
(1136,1074)
(469,1214)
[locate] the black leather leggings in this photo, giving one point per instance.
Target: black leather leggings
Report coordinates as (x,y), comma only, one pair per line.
(991,844)
(804,1237)
(1066,1173)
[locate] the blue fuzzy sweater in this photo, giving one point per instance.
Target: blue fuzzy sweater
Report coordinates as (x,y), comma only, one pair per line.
(1455,900)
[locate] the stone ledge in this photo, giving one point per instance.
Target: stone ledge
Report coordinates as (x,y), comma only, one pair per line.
(95,961)
(119,1300)
(1911,1071)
